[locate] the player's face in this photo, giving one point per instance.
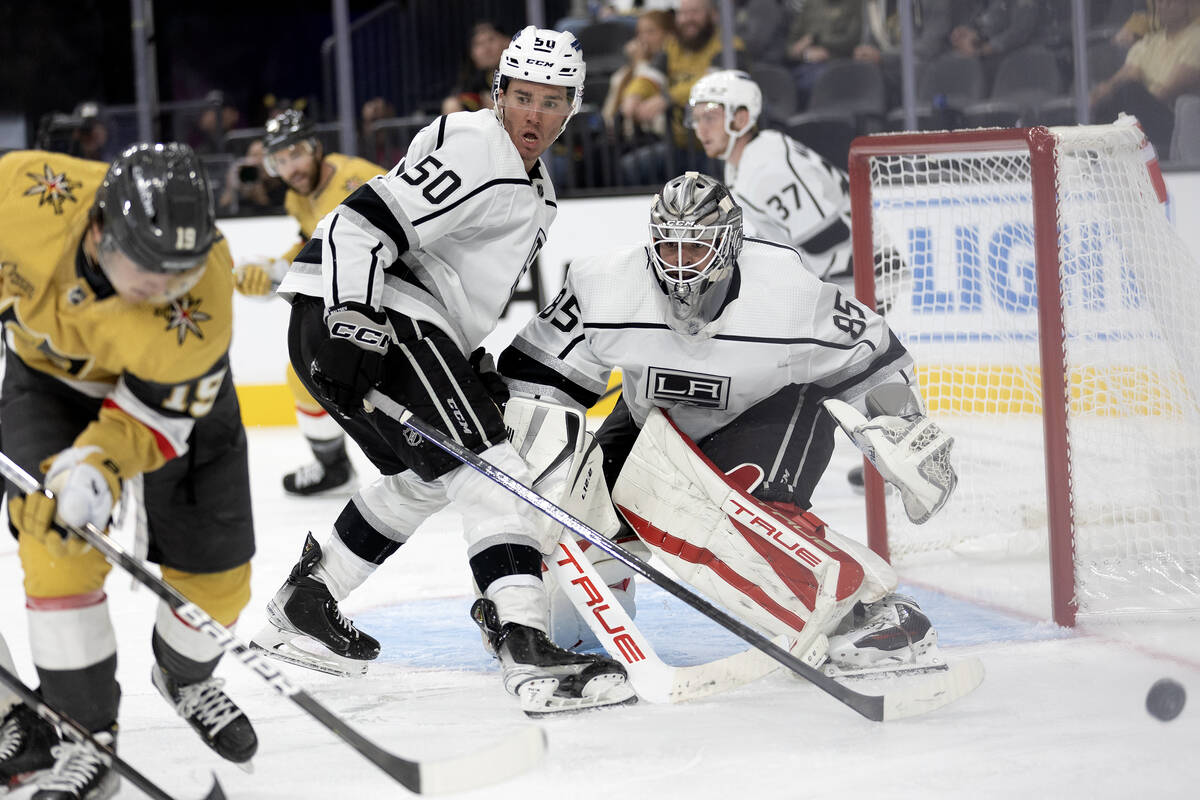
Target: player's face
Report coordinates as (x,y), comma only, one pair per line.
(533,114)
(298,167)
(136,285)
(708,120)
(687,257)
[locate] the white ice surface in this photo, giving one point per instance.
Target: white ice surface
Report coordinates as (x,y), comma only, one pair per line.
(1061,714)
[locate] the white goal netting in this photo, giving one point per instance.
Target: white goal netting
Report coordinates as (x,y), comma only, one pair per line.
(953,234)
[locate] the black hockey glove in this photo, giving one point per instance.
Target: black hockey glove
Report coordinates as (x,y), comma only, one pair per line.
(350,362)
(485,368)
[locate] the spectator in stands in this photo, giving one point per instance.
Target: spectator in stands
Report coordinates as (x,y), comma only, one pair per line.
(763,27)
(375,144)
(932,22)
(208,135)
(998,27)
(694,49)
(1158,68)
(630,110)
(248,189)
(820,31)
(474,88)
(91,138)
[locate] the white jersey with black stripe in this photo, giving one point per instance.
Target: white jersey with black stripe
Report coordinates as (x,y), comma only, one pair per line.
(780,326)
(442,237)
(792,195)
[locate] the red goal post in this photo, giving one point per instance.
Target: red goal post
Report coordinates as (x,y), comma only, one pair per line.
(1035,277)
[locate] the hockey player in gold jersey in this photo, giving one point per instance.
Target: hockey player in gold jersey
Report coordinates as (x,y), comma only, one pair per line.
(317,183)
(116,295)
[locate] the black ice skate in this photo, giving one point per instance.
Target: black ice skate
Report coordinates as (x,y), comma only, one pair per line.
(80,772)
(547,678)
(305,627)
(317,478)
(890,636)
(25,743)
(210,712)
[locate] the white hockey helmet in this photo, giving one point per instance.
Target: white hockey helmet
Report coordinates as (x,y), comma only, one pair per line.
(732,89)
(543,56)
(697,210)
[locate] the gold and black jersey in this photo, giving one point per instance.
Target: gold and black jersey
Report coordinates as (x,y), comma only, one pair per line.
(349,173)
(158,367)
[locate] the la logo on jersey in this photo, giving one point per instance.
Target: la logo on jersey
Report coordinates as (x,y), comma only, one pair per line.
(693,388)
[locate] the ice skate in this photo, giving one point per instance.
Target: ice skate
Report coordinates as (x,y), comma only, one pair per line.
(547,678)
(318,479)
(80,772)
(305,627)
(884,638)
(25,744)
(210,712)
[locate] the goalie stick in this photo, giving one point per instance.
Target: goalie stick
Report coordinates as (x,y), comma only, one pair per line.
(917,696)
(516,753)
(80,735)
(652,678)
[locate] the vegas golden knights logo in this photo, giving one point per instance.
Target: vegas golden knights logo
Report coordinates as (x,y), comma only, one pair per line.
(53,188)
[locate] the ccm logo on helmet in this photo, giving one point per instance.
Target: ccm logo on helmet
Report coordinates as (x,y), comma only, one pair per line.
(537,63)
(371,337)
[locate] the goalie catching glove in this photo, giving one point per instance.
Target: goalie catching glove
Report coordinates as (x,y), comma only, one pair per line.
(910,451)
(84,485)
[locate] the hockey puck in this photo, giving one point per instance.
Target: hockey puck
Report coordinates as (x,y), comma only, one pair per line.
(1165,699)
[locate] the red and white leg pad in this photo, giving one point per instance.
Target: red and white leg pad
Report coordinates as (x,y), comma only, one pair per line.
(782,572)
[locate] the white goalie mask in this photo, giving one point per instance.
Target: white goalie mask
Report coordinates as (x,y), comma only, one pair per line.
(695,238)
(542,56)
(730,89)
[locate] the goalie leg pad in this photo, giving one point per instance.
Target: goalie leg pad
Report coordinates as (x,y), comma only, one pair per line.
(777,573)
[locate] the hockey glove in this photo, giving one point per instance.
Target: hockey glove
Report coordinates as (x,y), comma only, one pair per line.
(350,362)
(911,452)
(85,484)
(485,368)
(252,280)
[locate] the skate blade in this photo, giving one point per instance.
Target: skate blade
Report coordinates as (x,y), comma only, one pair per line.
(539,698)
(270,643)
(931,661)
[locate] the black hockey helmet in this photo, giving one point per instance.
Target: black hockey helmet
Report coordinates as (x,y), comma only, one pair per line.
(155,205)
(285,129)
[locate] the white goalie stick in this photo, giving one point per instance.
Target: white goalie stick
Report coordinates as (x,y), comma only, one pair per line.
(516,753)
(916,696)
(652,678)
(80,735)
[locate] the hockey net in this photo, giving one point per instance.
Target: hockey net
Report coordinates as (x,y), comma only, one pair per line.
(1009,260)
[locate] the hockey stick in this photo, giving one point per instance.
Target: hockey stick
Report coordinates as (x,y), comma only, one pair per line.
(80,735)
(517,753)
(909,700)
(652,678)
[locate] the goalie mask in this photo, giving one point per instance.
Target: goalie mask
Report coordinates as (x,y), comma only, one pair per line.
(156,214)
(728,90)
(544,56)
(695,236)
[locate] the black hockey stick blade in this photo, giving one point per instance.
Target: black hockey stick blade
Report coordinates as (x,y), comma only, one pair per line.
(516,753)
(911,700)
(81,735)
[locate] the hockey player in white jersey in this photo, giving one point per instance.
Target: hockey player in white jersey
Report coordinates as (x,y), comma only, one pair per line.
(744,350)
(397,286)
(787,192)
